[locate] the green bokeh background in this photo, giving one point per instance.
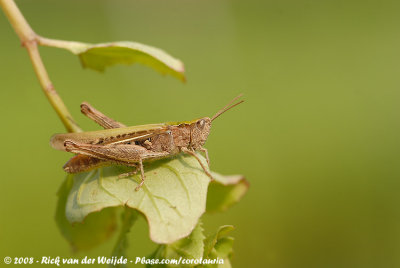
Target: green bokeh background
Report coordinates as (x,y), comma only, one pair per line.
(318,135)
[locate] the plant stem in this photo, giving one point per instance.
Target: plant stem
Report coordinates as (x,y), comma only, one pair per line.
(30,40)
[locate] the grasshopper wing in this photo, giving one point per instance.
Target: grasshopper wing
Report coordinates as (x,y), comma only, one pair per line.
(108,136)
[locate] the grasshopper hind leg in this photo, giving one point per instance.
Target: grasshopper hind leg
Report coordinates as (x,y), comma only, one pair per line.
(134,172)
(128,174)
(115,154)
(98,117)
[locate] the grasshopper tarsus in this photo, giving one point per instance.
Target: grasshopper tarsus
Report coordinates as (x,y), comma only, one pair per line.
(127,174)
(140,185)
(131,173)
(134,172)
(142,175)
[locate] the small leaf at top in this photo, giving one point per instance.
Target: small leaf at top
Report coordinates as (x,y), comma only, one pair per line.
(100,56)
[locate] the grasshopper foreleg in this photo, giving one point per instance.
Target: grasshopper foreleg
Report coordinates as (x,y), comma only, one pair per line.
(205,151)
(192,153)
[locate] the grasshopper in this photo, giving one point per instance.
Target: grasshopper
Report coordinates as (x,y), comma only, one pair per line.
(131,146)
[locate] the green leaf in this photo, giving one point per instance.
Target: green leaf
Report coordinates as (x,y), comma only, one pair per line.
(172,199)
(96,228)
(128,218)
(223,247)
(225,191)
(191,247)
(100,56)
(212,240)
(217,246)
(222,250)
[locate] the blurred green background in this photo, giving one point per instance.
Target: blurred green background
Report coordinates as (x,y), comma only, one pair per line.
(318,135)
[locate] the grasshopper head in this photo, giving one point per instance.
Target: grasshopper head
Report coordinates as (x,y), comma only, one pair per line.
(199,132)
(201,127)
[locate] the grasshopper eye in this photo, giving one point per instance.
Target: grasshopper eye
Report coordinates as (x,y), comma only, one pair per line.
(200,124)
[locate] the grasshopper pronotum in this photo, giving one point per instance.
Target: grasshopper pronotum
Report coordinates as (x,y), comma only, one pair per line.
(131,146)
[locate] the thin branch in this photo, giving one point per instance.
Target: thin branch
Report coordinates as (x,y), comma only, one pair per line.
(30,40)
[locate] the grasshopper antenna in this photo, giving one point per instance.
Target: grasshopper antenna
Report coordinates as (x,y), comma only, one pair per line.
(227,107)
